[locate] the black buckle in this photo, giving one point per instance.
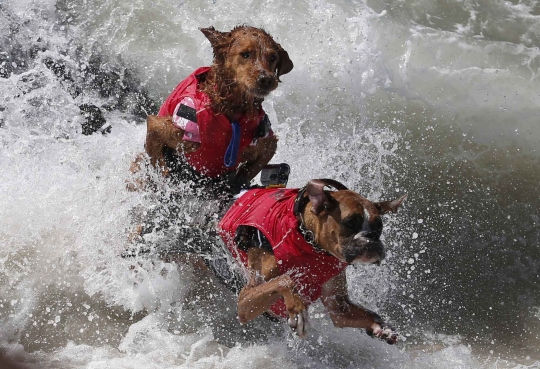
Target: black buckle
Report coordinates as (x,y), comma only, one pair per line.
(187,112)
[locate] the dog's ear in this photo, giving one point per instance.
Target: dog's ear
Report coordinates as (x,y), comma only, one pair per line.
(217,39)
(387,206)
(284,65)
(319,199)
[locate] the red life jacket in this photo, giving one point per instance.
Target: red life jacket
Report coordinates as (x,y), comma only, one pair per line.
(271,212)
(215,129)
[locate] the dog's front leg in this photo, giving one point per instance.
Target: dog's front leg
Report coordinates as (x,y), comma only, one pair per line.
(162,133)
(265,286)
(255,300)
(136,184)
(256,158)
(346,314)
(156,137)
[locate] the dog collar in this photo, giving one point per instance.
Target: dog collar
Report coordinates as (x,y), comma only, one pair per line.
(299,204)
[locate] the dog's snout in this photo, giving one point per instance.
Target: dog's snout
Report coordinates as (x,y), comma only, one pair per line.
(364,247)
(265,81)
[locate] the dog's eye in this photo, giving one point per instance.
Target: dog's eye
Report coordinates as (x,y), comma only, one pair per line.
(246,55)
(353,223)
(273,58)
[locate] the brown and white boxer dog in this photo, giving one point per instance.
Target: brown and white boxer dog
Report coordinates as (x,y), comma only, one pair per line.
(296,245)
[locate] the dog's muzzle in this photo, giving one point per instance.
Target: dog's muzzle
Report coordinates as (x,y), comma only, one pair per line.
(363,247)
(265,81)
(265,84)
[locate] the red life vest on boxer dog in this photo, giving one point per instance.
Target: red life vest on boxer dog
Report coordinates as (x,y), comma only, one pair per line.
(215,130)
(271,212)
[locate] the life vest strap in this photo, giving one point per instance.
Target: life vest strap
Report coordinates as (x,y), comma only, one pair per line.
(232,150)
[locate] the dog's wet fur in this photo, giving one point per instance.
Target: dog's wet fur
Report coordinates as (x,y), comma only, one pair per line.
(343,224)
(361,228)
(247,66)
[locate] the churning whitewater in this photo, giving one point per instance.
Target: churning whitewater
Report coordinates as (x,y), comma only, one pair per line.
(440,100)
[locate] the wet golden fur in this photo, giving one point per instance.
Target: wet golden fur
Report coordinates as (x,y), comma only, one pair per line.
(246,68)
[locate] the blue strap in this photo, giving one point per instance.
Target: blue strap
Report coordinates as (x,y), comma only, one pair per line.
(232,150)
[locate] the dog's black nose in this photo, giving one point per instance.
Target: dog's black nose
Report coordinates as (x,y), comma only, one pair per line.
(265,81)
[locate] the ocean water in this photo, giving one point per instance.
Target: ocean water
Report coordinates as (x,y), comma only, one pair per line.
(440,100)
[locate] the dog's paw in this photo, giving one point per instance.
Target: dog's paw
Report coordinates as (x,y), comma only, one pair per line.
(383,331)
(249,154)
(268,145)
(298,323)
(298,315)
